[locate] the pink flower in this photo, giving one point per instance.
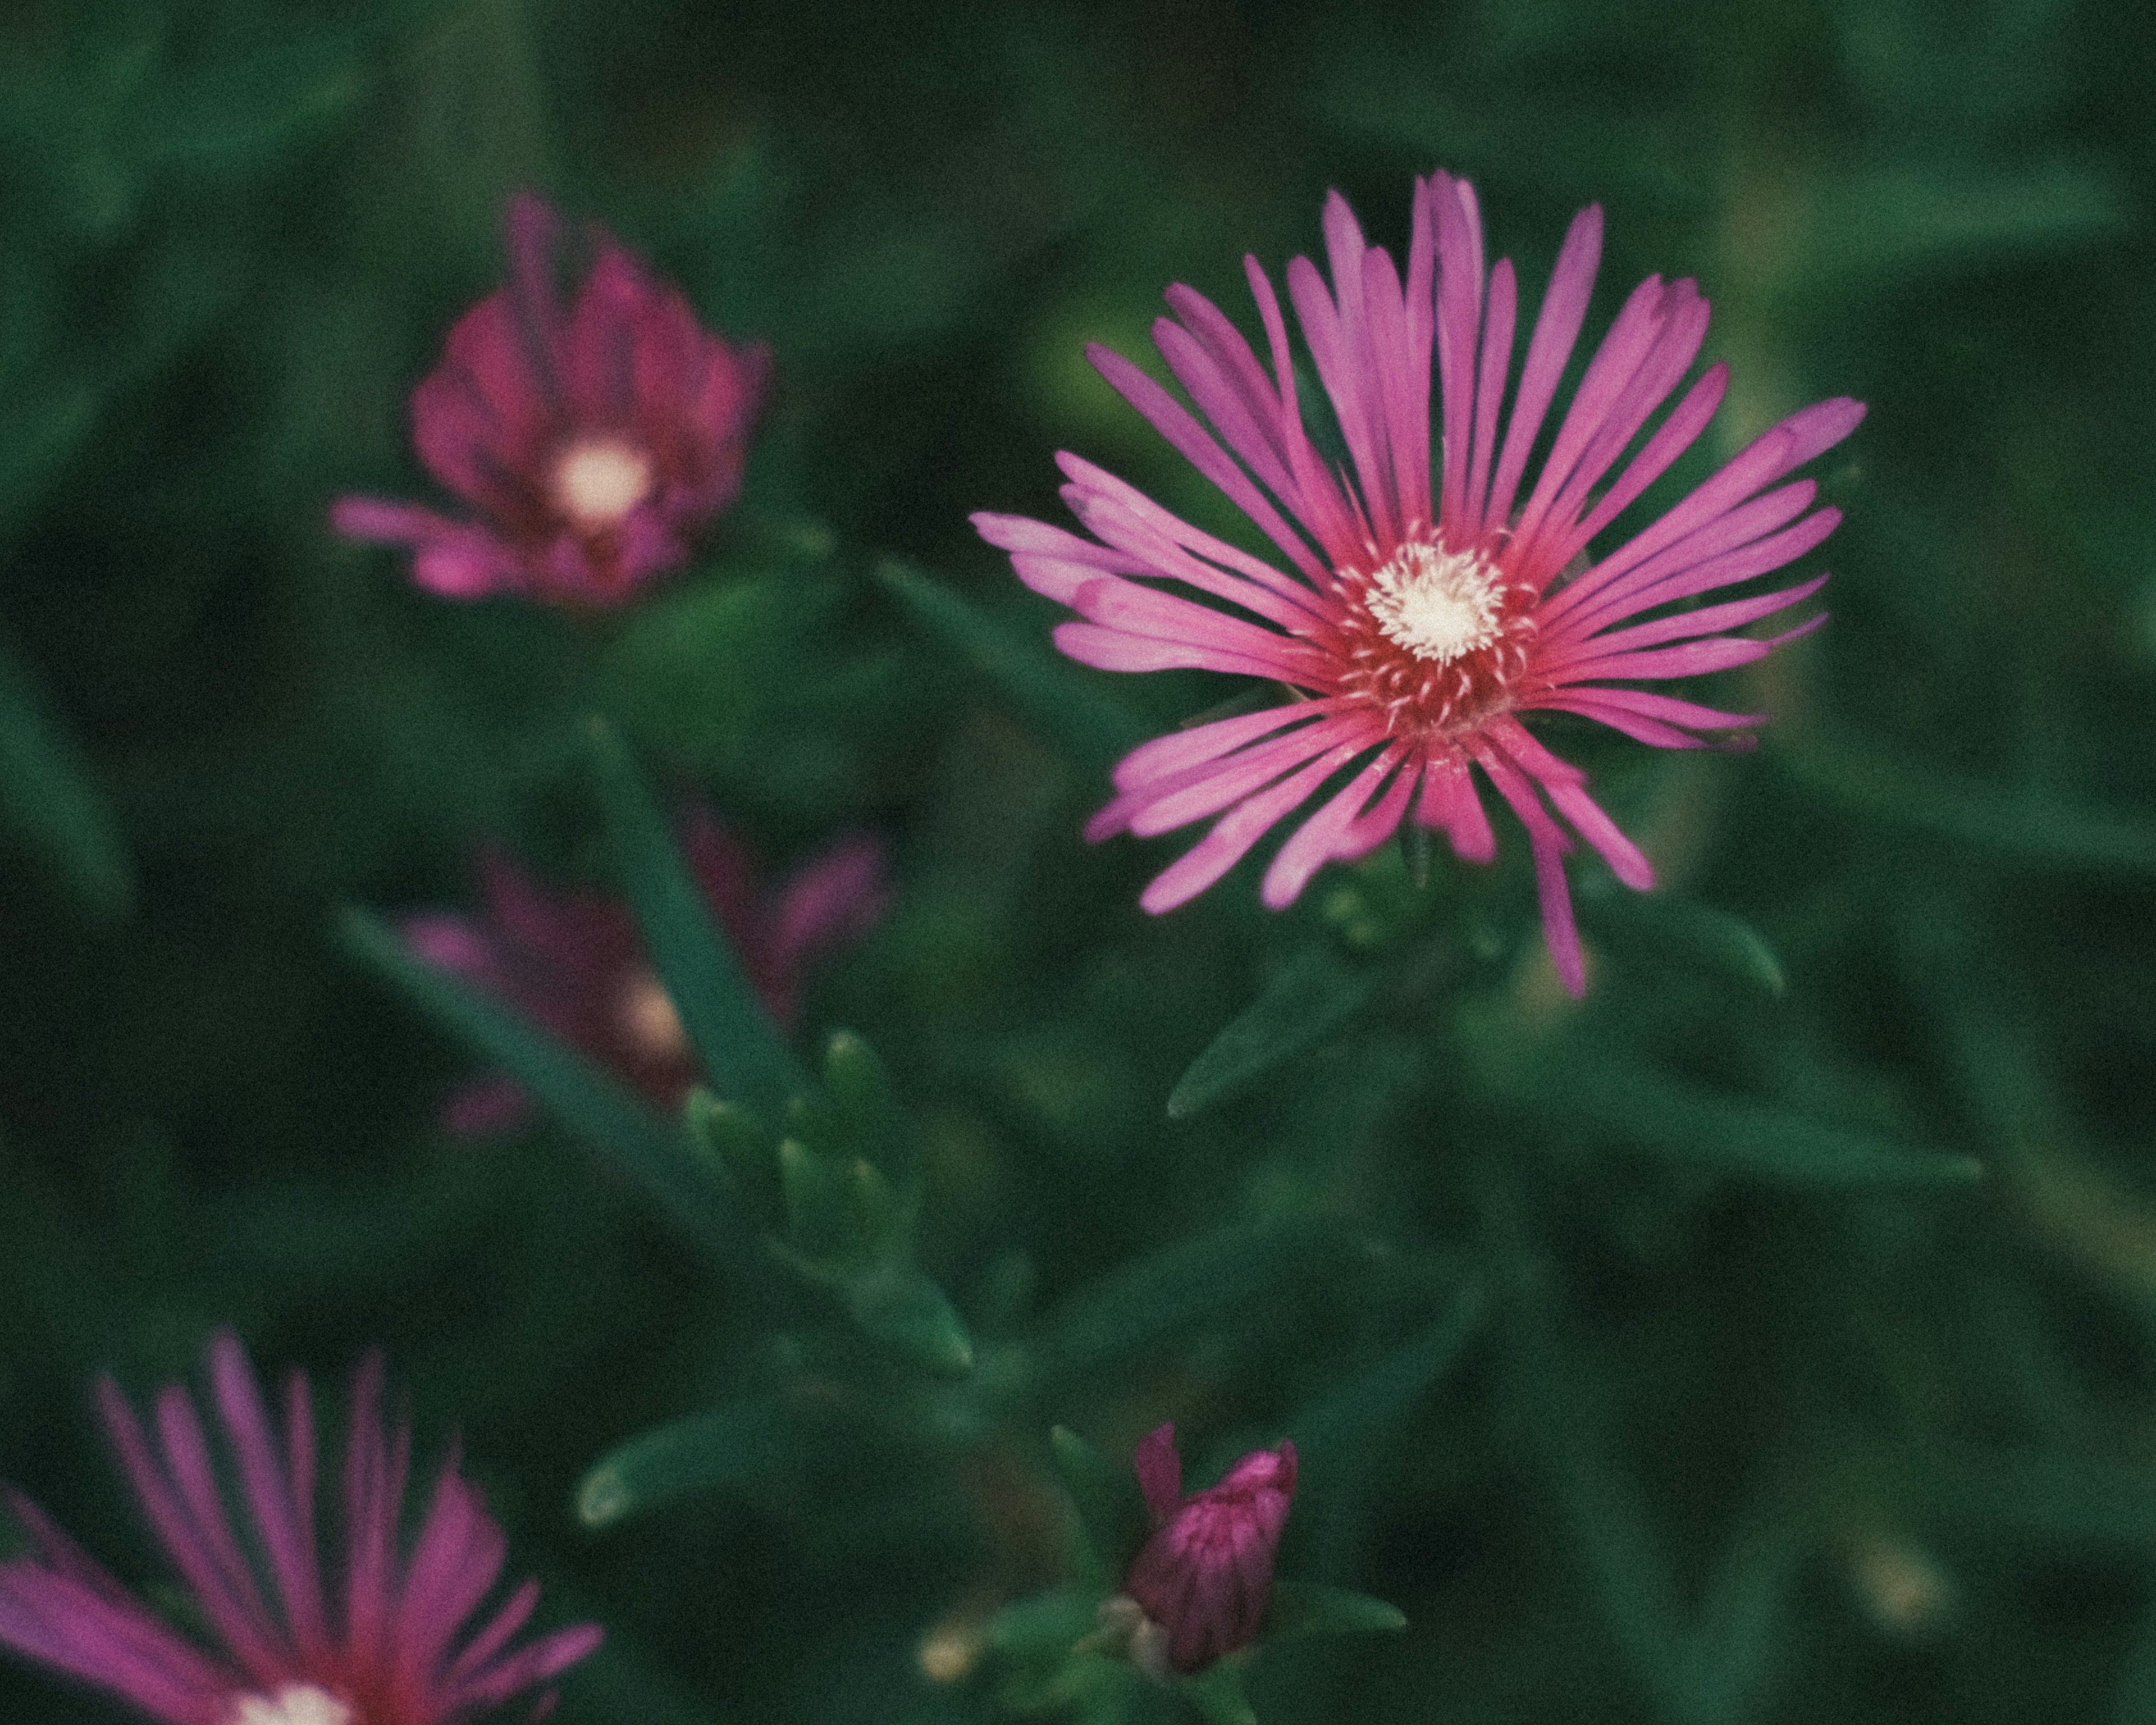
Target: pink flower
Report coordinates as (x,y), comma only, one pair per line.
(1205,1576)
(591,439)
(1414,629)
(384,1646)
(574,963)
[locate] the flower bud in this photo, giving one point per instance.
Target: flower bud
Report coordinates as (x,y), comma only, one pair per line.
(1205,1576)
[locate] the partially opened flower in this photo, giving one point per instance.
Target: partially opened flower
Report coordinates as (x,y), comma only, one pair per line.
(574,963)
(590,439)
(1427,605)
(1204,1579)
(385,1639)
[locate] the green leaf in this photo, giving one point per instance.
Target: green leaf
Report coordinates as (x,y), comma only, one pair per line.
(1051,1623)
(1306,1609)
(47,800)
(1375,1396)
(736,1147)
(743,1443)
(1669,929)
(898,1305)
(1728,1137)
(865,1110)
(590,1100)
(740,1049)
(1217,1694)
(816,1220)
(1069,711)
(1308,998)
(1234,1269)
(1110,1508)
(2027,825)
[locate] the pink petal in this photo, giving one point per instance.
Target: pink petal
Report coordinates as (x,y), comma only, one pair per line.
(1557,327)
(1160,1471)
(1236,831)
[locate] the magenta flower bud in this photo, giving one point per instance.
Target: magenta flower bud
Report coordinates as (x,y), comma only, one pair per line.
(1205,1576)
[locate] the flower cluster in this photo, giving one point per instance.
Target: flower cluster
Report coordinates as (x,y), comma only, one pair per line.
(1427,604)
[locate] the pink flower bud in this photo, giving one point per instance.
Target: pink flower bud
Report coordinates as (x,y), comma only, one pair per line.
(1206,1575)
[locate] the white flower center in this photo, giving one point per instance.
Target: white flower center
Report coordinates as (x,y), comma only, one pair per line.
(597,482)
(1436,603)
(294,1704)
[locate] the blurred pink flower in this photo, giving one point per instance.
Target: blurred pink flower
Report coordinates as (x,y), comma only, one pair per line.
(591,439)
(378,1645)
(1205,1576)
(572,962)
(1416,628)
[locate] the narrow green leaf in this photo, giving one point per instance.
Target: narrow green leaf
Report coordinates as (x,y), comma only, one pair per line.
(1311,997)
(815,1206)
(1734,1139)
(740,1049)
(589,1100)
(900,1305)
(2030,826)
(1060,700)
(1667,928)
(1372,1397)
(1730,1657)
(743,1443)
(1306,1609)
(736,1147)
(1232,1269)
(47,800)
(1110,1508)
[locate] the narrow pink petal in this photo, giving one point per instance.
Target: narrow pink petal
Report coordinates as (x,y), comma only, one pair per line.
(198,1553)
(1550,844)
(380,520)
(1671,439)
(114,1643)
(494,1634)
(1639,326)
(1459,329)
(1657,705)
(457,1559)
(1557,327)
(1775,453)
(1212,348)
(1626,860)
(1235,832)
(1708,619)
(1114,603)
(533,1663)
(1323,509)
(1660,583)
(1381,818)
(1111,649)
(1352,390)
(1312,844)
(1404,407)
(1606,591)
(1160,1471)
(1182,749)
(1174,422)
(1492,374)
(1411,458)
(1646,730)
(835,897)
(1129,530)
(1449,805)
(1693,659)
(1122,516)
(1230,780)
(269,1498)
(373,1496)
(1345,249)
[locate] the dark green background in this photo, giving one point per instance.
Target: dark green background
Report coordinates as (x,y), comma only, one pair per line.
(1732,1350)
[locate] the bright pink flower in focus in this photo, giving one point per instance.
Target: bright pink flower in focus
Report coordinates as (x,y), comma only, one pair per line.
(591,440)
(381,1644)
(1205,1576)
(1416,628)
(574,963)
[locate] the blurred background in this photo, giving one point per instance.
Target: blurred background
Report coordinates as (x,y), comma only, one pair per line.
(1769,1337)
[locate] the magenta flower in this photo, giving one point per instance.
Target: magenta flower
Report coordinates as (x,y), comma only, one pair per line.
(1205,1576)
(574,963)
(591,439)
(1415,629)
(383,1645)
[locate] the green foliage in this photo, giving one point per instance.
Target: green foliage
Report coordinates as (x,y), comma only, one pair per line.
(1768,1337)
